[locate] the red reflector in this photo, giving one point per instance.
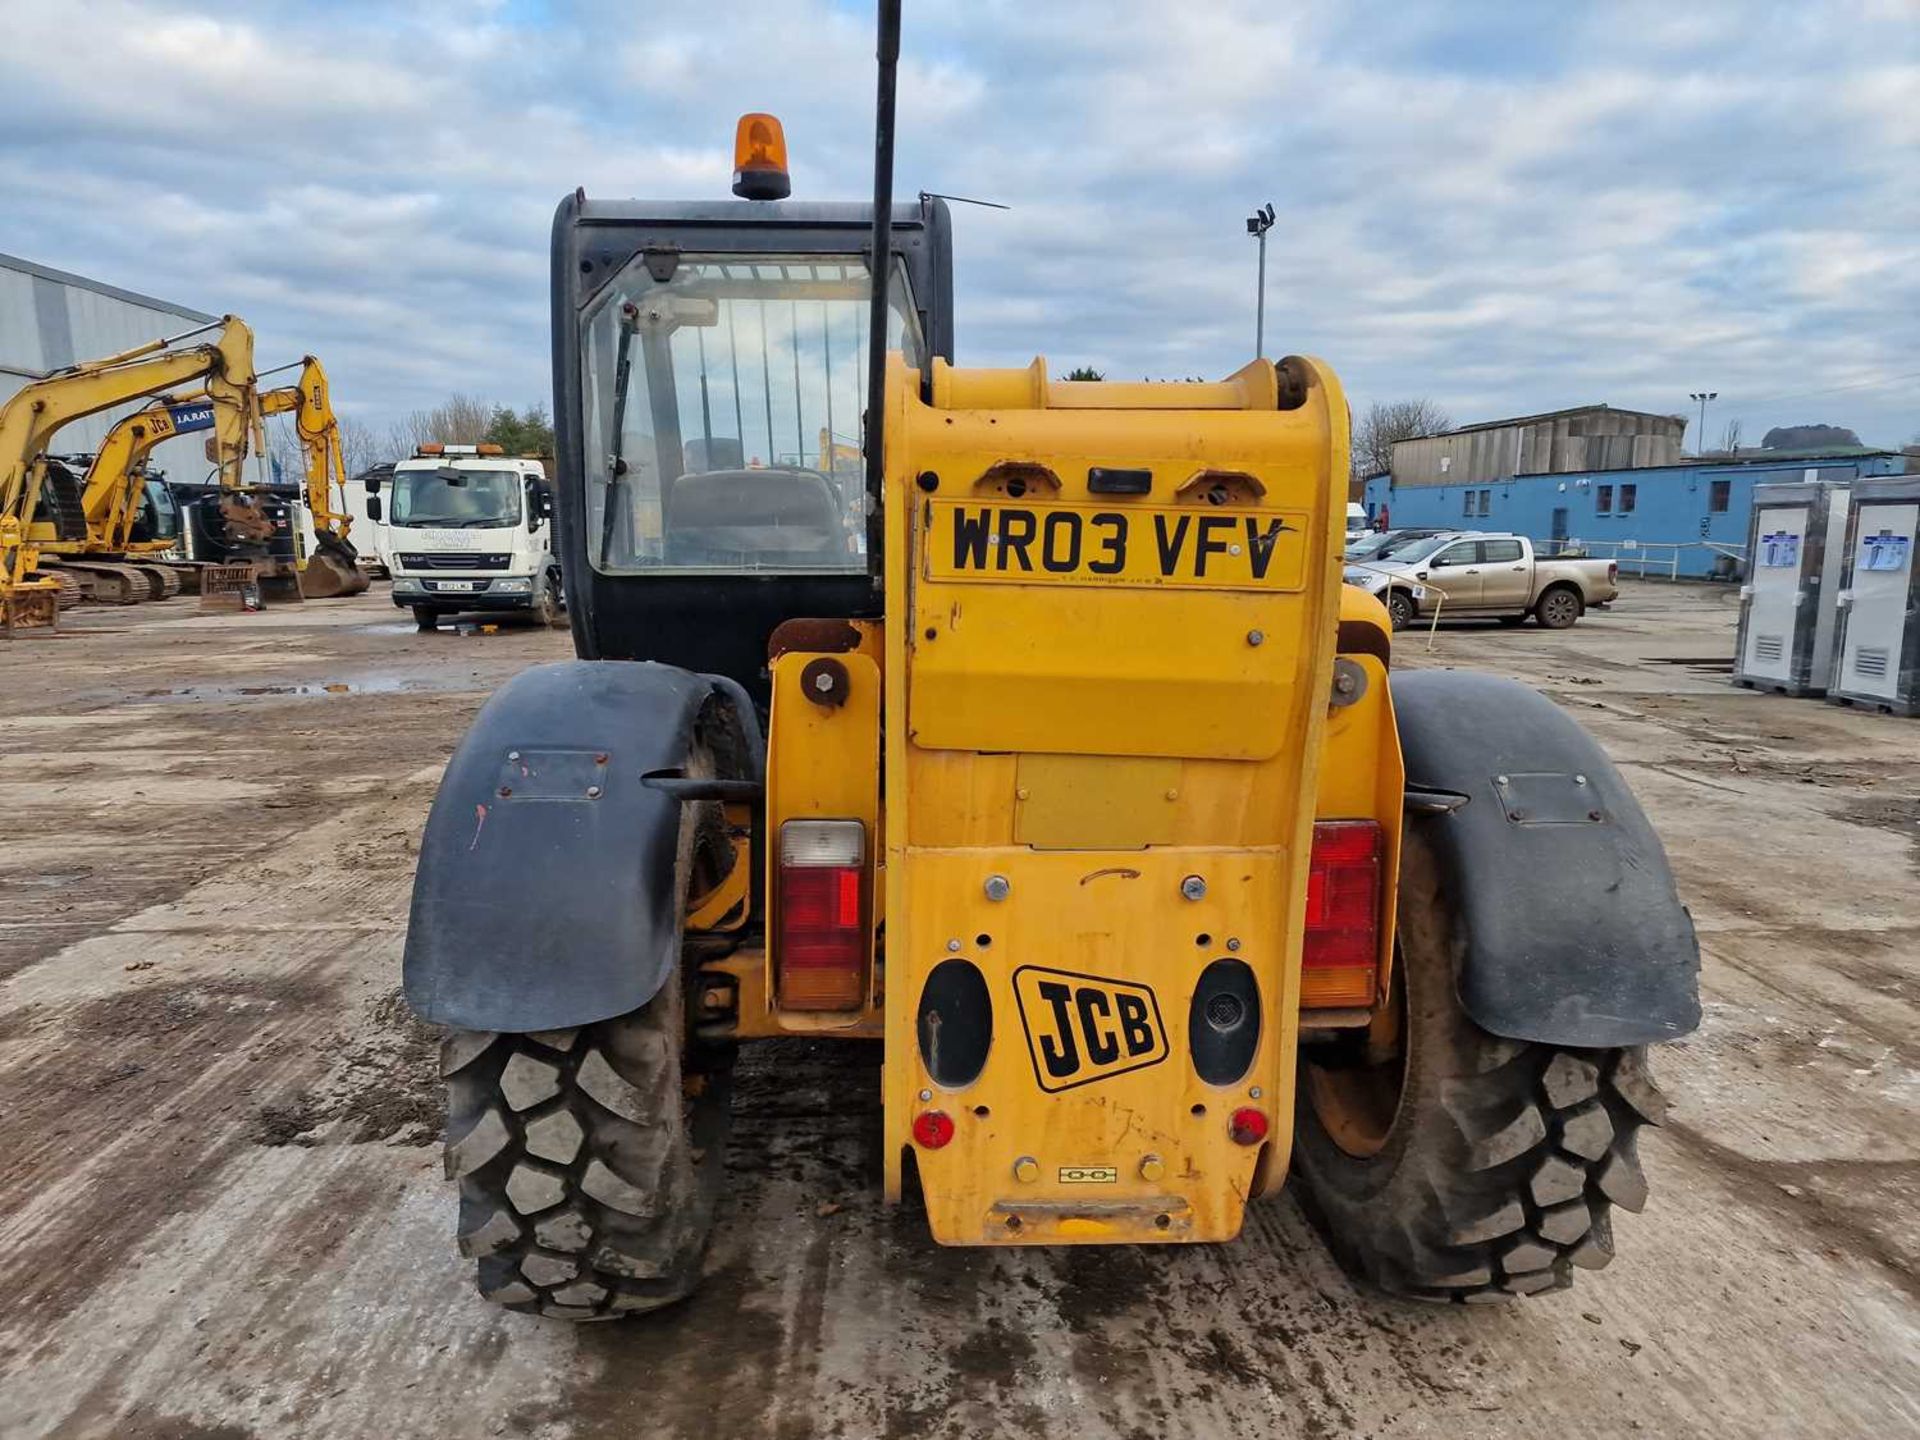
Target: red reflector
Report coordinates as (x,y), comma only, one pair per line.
(934,1128)
(1343,895)
(1247,1126)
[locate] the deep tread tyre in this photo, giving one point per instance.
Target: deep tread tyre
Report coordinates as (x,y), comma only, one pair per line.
(1503,1160)
(426,617)
(571,1207)
(589,1159)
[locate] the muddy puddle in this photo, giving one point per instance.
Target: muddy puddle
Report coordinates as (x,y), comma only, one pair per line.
(317,689)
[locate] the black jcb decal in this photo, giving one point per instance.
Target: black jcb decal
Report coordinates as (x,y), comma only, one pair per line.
(1082,1028)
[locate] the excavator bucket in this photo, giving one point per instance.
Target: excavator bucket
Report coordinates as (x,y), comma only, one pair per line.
(333,569)
(30,605)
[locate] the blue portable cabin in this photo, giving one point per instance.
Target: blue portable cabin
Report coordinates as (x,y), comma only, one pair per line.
(1685,520)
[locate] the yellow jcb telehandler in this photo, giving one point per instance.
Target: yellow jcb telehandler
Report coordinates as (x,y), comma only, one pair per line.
(1058,761)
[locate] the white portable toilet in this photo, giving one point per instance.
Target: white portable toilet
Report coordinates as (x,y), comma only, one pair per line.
(1788,606)
(1877,654)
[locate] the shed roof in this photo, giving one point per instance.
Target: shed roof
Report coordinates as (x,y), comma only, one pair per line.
(1553,415)
(131,297)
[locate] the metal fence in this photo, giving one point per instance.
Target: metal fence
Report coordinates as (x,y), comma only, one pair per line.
(1657,559)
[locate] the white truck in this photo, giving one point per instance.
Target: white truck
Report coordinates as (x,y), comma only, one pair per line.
(1480,576)
(465,529)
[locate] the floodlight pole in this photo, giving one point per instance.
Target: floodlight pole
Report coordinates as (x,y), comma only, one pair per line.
(1258,224)
(1703,396)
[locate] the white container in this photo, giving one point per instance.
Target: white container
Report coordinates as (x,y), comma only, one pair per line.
(1877,653)
(1789,605)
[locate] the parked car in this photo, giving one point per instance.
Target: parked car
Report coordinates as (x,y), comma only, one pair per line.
(1359,526)
(1485,576)
(1389,542)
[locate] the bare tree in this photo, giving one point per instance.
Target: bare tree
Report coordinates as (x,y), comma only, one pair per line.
(358,447)
(457,420)
(1382,425)
(1730,438)
(284,454)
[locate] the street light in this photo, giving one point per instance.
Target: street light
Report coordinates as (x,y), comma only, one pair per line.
(1258,224)
(1703,396)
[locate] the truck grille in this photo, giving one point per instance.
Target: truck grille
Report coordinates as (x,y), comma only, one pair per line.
(451,560)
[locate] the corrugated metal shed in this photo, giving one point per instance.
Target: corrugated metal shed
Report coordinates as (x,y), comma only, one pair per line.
(1562,442)
(50,319)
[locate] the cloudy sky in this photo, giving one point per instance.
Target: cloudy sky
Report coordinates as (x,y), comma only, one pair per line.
(1504,207)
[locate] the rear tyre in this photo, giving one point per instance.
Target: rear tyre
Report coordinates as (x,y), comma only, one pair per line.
(1558,608)
(1400,609)
(426,617)
(1449,1164)
(590,1159)
(588,1162)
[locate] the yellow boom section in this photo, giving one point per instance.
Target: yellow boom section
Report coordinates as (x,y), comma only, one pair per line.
(34,414)
(1112,622)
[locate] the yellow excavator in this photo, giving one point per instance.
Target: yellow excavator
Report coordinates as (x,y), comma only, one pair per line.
(86,519)
(32,416)
(89,524)
(334,566)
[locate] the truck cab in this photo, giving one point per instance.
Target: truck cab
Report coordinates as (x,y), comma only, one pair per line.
(464,529)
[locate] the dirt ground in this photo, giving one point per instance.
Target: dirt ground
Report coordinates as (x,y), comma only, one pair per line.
(221,1213)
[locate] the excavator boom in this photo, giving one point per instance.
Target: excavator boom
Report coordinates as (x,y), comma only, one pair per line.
(33,415)
(333,568)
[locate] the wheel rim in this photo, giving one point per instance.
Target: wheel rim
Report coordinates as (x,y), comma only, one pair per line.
(1355,1084)
(1400,613)
(1560,608)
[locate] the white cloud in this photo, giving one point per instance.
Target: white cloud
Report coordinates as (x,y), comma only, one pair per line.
(1504,207)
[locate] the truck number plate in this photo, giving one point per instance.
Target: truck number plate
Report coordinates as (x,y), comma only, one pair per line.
(1138,545)
(453,585)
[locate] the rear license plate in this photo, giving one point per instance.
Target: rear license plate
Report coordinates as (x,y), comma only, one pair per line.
(1143,545)
(453,585)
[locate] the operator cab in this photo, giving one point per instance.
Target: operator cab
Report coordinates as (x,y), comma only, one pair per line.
(711,381)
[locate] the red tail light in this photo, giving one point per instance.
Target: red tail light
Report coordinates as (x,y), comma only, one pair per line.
(1343,913)
(823,915)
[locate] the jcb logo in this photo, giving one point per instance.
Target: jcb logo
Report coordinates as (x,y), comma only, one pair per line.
(1082,1028)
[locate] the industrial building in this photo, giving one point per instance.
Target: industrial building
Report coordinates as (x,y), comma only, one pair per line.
(1588,437)
(1611,482)
(50,319)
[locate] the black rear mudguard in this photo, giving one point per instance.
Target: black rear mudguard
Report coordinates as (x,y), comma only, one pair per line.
(1569,929)
(545,893)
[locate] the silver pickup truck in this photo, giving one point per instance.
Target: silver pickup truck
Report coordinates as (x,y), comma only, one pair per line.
(1483,577)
